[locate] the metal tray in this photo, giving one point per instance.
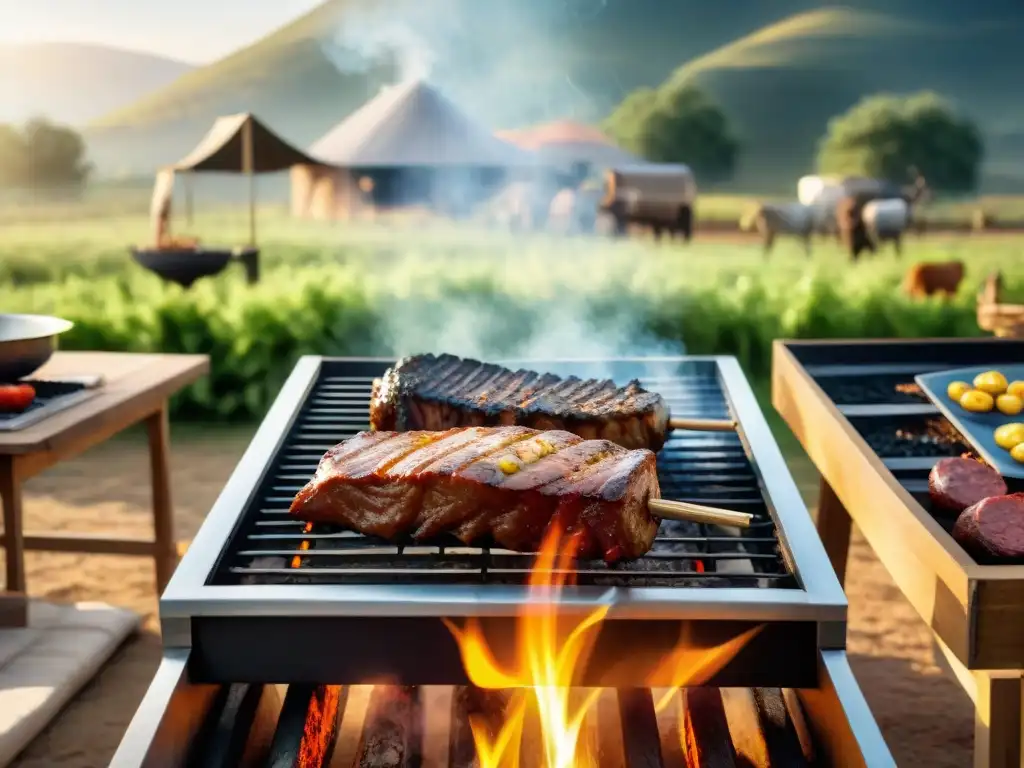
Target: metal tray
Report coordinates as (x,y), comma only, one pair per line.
(977,428)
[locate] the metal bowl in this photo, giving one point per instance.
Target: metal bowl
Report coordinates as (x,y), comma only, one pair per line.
(182,266)
(27,342)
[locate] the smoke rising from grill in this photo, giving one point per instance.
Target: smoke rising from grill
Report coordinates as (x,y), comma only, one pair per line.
(491,328)
(505,63)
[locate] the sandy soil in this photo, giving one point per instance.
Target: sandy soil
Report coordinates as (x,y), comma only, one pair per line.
(926,718)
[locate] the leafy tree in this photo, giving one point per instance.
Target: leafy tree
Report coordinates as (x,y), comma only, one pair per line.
(13,153)
(42,155)
(886,136)
(626,123)
(680,124)
(56,154)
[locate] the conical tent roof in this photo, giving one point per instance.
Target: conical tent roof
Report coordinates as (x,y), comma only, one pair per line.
(414,124)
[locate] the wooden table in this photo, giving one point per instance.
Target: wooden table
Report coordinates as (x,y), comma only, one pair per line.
(975,611)
(136,389)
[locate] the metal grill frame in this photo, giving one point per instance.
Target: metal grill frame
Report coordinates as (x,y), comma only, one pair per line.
(968,605)
(194,612)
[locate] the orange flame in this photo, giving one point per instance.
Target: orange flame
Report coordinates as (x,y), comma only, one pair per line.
(687,665)
(303,546)
(548,666)
(550,661)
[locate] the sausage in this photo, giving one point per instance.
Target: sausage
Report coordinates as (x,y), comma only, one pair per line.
(994,527)
(954,484)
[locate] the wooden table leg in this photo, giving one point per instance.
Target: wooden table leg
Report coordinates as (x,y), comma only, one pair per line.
(997,720)
(834,526)
(14,603)
(165,553)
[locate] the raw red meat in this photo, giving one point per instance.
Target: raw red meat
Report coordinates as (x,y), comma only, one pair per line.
(994,527)
(954,484)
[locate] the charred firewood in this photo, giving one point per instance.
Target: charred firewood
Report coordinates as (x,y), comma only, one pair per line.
(392,735)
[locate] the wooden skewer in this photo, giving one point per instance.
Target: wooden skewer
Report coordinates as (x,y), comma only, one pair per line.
(698,513)
(703,425)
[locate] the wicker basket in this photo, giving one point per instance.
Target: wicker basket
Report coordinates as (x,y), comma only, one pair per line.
(1004,320)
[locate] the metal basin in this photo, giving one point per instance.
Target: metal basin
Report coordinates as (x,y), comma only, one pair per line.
(183,266)
(27,342)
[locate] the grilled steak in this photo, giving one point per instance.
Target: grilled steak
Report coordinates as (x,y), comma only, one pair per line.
(428,392)
(504,485)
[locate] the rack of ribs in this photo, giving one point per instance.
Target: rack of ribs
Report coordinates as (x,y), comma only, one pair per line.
(500,485)
(442,392)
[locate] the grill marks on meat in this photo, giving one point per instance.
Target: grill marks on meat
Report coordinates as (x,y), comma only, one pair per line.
(443,392)
(505,485)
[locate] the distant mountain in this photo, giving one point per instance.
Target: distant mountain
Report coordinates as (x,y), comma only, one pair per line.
(781,69)
(74,83)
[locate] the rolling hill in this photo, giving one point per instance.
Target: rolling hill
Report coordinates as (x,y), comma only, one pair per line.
(781,68)
(74,83)
(782,83)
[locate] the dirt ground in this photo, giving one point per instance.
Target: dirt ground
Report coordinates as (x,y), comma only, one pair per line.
(926,718)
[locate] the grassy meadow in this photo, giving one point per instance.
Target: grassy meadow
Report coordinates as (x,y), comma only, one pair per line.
(417,285)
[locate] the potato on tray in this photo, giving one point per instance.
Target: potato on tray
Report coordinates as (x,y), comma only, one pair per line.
(986,405)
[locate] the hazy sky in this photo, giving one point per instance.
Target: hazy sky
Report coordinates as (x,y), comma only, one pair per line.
(190,30)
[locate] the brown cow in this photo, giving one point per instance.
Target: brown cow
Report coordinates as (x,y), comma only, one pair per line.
(850,225)
(928,278)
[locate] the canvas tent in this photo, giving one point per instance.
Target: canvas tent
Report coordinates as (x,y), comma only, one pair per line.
(409,145)
(239,144)
(571,148)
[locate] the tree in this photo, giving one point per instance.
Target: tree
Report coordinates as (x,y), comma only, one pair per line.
(42,155)
(886,136)
(13,152)
(680,124)
(56,155)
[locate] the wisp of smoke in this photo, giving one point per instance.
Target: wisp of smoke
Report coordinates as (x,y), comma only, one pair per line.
(505,61)
(493,328)
(369,38)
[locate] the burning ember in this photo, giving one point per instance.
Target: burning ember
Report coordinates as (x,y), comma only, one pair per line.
(551,659)
(937,432)
(912,389)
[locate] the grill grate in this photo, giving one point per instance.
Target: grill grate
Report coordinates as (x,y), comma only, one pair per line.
(704,468)
(911,437)
(882,389)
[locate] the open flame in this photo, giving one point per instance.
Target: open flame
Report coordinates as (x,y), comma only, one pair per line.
(551,658)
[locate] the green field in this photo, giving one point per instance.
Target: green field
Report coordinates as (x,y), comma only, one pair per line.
(127,204)
(362,289)
(781,69)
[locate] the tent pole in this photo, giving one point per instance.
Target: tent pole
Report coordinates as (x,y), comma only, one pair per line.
(248,163)
(188,198)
